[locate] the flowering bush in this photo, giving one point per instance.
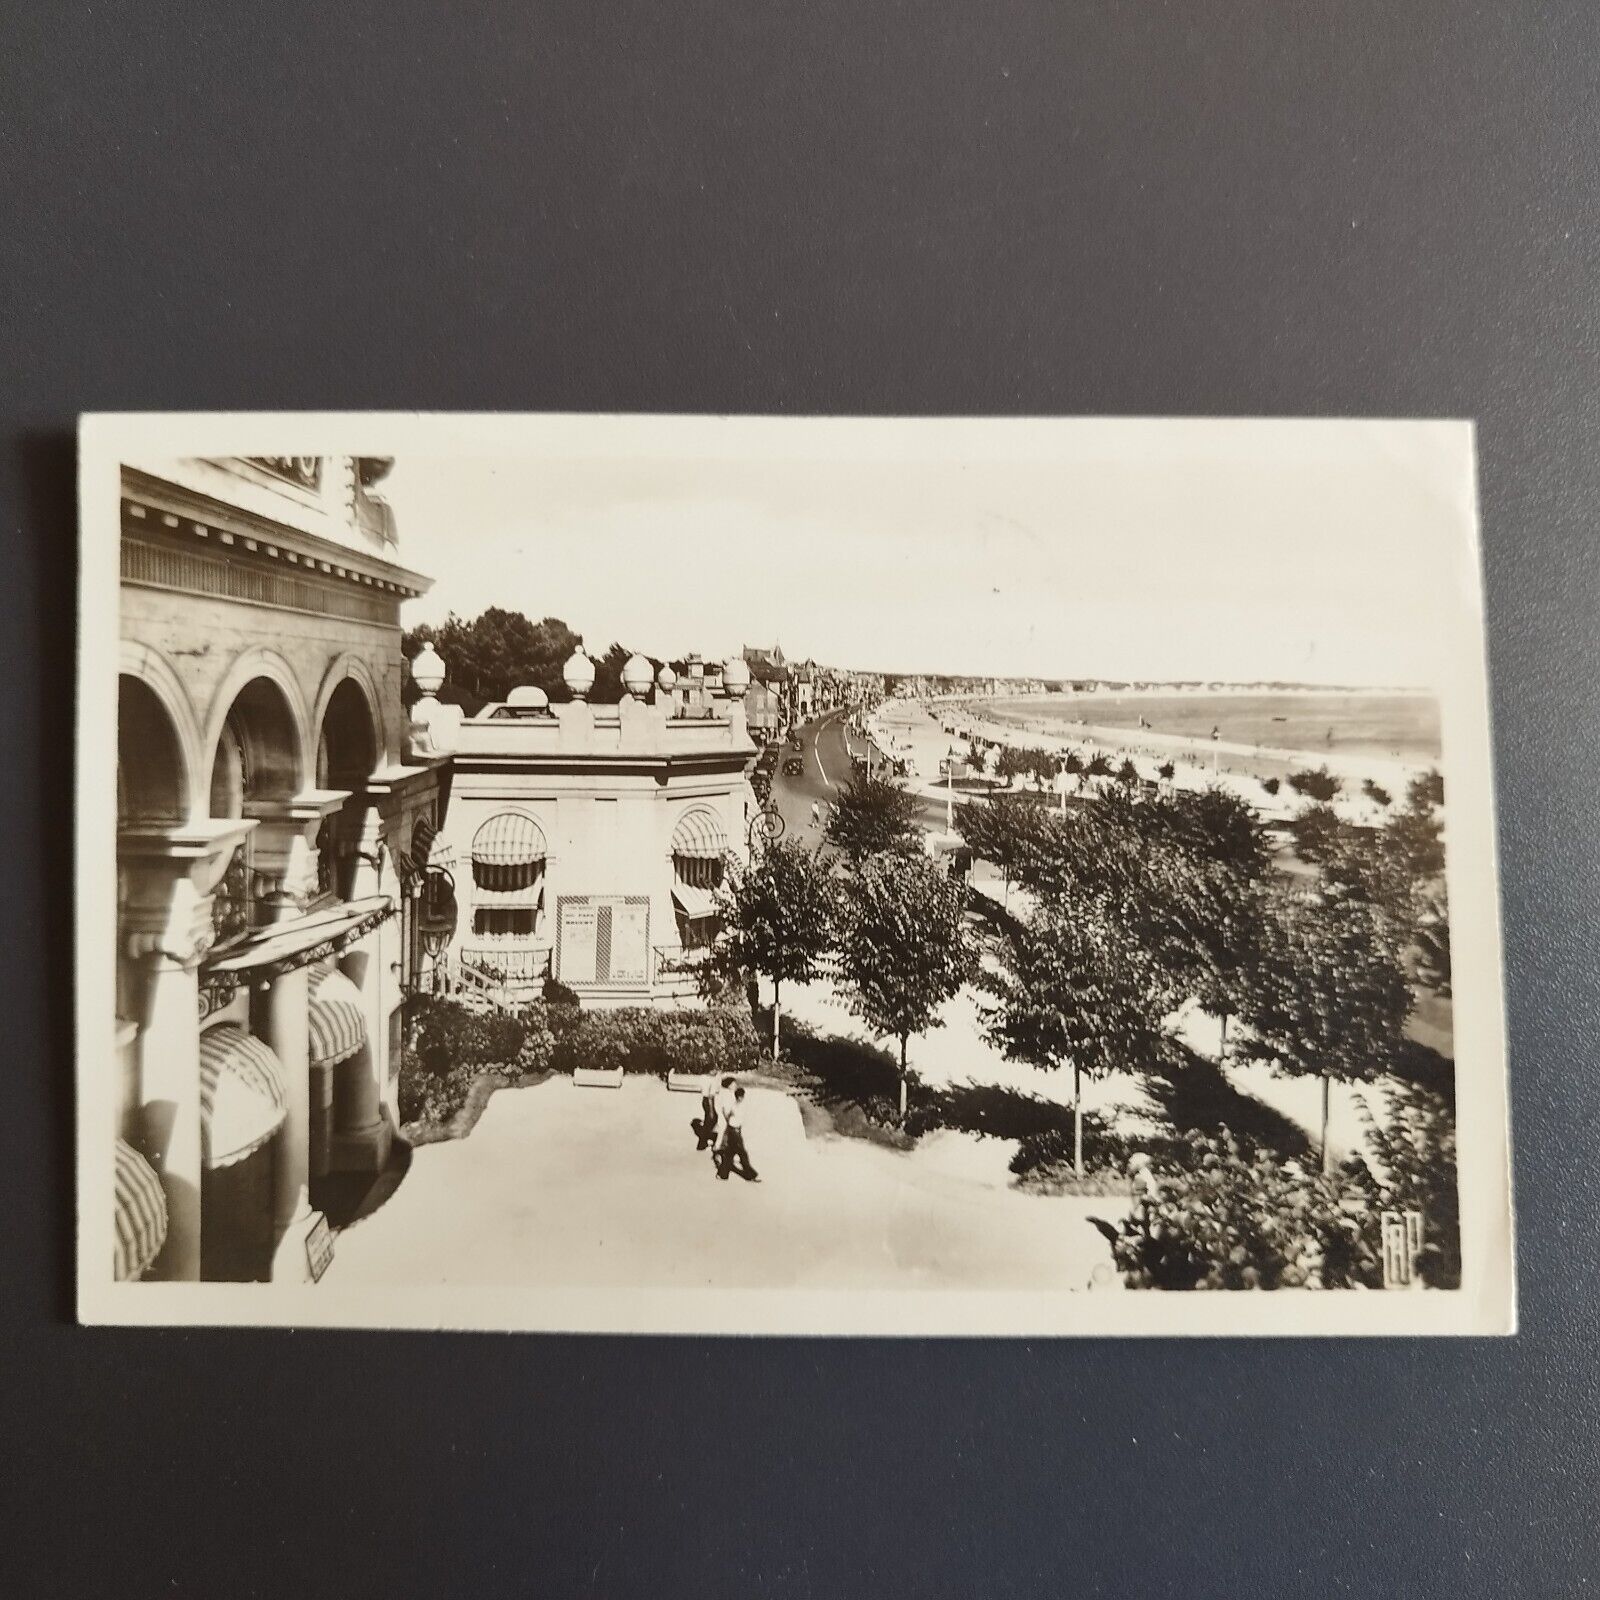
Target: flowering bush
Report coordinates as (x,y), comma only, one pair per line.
(1223,1214)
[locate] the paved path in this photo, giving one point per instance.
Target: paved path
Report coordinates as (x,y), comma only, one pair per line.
(568,1187)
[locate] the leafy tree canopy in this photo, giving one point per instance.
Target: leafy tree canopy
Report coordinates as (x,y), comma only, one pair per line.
(903,946)
(489,655)
(1074,988)
(778,915)
(1330,996)
(873,815)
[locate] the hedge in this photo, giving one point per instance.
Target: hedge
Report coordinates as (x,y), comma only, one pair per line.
(456,1046)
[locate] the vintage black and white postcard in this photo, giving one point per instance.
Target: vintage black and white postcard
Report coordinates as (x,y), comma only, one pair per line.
(787,875)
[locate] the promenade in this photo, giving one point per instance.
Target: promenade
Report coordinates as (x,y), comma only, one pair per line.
(566,1187)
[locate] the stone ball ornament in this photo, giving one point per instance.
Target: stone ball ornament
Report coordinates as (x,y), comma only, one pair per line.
(666,679)
(578,674)
(427,670)
(636,676)
(736,679)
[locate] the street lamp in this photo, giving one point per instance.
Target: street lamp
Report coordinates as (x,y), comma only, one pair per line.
(950,790)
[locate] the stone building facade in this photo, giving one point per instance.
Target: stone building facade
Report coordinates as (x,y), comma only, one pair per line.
(270,817)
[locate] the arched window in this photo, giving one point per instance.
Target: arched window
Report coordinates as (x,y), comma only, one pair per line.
(508,861)
(699,850)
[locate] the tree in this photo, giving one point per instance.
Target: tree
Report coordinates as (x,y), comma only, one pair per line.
(1004,829)
(1329,997)
(1127,773)
(1098,766)
(873,815)
(1317,833)
(1166,772)
(903,947)
(777,920)
(1433,942)
(494,653)
(1416,832)
(1318,785)
(1073,988)
(1210,872)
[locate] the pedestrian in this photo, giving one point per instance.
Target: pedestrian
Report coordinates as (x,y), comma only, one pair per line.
(709,1106)
(814,814)
(730,1147)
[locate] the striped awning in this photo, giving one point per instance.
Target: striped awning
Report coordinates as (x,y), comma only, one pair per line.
(338,1024)
(699,835)
(694,902)
(529,894)
(508,853)
(508,839)
(141,1223)
(242,1099)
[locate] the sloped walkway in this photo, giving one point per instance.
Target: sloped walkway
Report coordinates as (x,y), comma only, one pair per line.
(569,1187)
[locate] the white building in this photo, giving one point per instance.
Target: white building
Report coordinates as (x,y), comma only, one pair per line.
(587,843)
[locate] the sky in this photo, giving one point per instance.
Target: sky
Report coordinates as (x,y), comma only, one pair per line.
(1318,553)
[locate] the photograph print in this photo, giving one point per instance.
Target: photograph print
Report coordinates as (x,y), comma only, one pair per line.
(785,875)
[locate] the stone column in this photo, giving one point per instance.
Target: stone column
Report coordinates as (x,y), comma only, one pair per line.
(285,860)
(170,874)
(361,1135)
(278,1018)
(170,1114)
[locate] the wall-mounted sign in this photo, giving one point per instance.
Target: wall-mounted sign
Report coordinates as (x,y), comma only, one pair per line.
(603,939)
(319,1248)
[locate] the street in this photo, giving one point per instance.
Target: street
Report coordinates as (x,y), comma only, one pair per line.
(825,769)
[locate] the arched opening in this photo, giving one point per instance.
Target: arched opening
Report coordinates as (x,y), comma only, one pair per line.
(152,785)
(256,759)
(347,745)
(152,790)
(347,753)
(258,751)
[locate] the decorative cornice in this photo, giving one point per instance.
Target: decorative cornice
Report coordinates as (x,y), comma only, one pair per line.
(156,505)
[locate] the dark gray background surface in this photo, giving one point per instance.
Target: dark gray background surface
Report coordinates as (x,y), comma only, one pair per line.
(976,206)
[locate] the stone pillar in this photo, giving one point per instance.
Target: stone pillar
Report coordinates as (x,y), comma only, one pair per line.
(278,1018)
(169,1118)
(170,873)
(361,1135)
(285,860)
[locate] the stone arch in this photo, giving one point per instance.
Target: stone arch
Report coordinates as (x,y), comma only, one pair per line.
(348,744)
(260,710)
(351,669)
(167,718)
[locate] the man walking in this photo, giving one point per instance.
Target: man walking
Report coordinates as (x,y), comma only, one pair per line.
(710,1105)
(730,1147)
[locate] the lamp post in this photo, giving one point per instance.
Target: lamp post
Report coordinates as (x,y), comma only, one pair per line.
(950,790)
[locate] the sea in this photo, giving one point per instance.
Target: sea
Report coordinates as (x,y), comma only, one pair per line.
(1400,726)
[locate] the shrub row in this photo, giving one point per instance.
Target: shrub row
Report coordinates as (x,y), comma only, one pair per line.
(455,1046)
